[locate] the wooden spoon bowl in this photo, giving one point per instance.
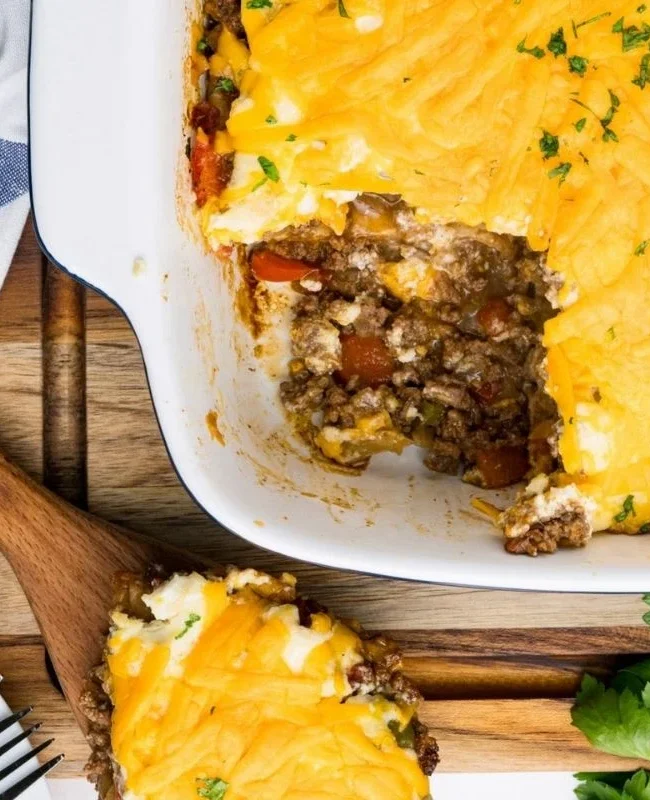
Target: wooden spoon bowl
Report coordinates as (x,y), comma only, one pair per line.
(65,560)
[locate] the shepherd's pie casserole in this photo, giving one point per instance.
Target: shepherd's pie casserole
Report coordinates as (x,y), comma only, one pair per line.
(235,688)
(459,193)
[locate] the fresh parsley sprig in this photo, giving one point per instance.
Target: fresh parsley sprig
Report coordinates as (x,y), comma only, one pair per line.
(616,719)
(613,785)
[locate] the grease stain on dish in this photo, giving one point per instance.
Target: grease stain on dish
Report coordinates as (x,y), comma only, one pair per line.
(212,424)
(205,339)
(139,267)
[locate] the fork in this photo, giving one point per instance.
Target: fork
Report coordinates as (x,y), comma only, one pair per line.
(23,783)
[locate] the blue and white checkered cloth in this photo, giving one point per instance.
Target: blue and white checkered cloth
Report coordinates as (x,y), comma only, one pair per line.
(14,181)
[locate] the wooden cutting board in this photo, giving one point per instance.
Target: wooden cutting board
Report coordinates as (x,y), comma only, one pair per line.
(498,669)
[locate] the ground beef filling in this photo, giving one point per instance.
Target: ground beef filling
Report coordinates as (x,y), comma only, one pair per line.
(405,333)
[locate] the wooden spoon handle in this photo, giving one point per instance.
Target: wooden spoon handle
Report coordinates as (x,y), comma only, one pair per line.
(65,560)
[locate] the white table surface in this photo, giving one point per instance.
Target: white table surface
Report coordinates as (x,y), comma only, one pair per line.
(488,786)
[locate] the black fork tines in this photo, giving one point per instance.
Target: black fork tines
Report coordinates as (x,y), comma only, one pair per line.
(38,772)
(5,748)
(7,723)
(22,785)
(4,773)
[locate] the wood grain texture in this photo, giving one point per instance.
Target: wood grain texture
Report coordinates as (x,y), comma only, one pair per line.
(71,590)
(20,358)
(64,386)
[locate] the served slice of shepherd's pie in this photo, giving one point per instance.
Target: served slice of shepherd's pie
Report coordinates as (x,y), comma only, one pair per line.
(459,191)
(236,688)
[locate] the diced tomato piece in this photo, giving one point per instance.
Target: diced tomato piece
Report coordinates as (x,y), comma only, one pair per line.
(487,391)
(206,117)
(368,358)
(210,171)
(494,315)
(268,266)
(502,466)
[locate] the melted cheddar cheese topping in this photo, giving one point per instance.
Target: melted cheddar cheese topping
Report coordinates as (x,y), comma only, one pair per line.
(225,695)
(531,118)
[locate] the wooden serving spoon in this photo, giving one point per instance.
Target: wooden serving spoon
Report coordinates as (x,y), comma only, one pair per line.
(65,561)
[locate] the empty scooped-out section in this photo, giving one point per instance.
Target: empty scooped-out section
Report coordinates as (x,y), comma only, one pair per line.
(110,204)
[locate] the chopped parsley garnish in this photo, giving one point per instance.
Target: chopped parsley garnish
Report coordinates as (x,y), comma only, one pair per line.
(259,4)
(406,80)
(269,169)
(608,133)
(291,137)
(226,85)
(645,528)
(557,43)
(577,27)
(578,64)
(583,157)
(342,10)
(418,172)
(536,52)
(628,508)
(580,124)
(212,788)
(271,120)
(549,145)
(631,36)
(203,47)
(644,73)
(640,249)
(561,171)
(189,623)
(611,334)
(642,9)
(615,103)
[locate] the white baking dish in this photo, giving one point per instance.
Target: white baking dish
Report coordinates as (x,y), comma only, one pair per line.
(109,192)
